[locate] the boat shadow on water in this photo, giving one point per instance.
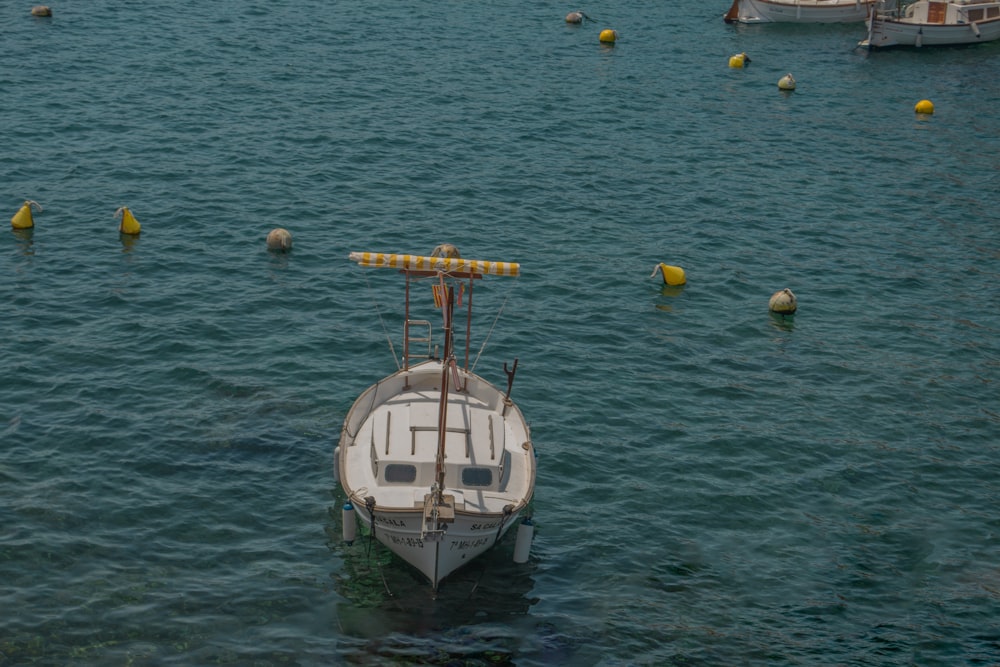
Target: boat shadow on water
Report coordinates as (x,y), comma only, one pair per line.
(383,594)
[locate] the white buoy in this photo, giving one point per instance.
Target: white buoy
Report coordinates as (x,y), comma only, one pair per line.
(522,546)
(350,525)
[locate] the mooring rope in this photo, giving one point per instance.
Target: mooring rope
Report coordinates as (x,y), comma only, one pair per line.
(507,511)
(479,580)
(370,506)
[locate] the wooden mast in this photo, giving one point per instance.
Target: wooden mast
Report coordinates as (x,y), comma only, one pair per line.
(446,362)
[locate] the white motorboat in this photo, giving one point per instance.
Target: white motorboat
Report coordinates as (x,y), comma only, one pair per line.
(933,23)
(436,462)
(799,11)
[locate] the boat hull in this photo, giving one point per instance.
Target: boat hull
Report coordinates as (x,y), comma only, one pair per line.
(386,463)
(468,537)
(933,23)
(888,33)
(800,11)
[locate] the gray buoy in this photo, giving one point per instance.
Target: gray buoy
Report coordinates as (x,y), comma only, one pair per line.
(783,302)
(41,10)
(446,250)
(279,239)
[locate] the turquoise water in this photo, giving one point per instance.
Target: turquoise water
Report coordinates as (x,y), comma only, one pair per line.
(716,486)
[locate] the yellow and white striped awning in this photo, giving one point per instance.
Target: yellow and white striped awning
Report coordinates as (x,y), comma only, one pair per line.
(423,263)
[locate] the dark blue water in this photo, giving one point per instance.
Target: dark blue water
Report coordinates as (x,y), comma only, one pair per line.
(716,485)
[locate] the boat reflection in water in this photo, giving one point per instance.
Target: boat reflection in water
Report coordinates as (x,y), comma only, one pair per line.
(388,609)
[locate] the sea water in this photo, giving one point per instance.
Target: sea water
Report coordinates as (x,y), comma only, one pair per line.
(716,485)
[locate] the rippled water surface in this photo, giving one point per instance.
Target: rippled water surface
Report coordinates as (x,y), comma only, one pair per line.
(716,485)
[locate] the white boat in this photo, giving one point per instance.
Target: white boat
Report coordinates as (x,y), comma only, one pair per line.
(799,11)
(436,462)
(933,23)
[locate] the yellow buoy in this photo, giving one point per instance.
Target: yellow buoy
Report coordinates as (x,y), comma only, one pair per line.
(924,106)
(128,225)
(787,82)
(672,275)
(609,36)
(783,302)
(23,219)
(41,10)
(739,60)
(279,239)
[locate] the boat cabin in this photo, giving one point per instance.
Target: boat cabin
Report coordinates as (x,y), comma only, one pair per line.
(955,12)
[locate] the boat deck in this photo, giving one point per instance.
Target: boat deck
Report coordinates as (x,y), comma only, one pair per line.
(393,455)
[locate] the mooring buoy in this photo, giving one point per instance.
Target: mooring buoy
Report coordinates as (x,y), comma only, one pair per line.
(783,302)
(279,239)
(128,225)
(23,218)
(672,275)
